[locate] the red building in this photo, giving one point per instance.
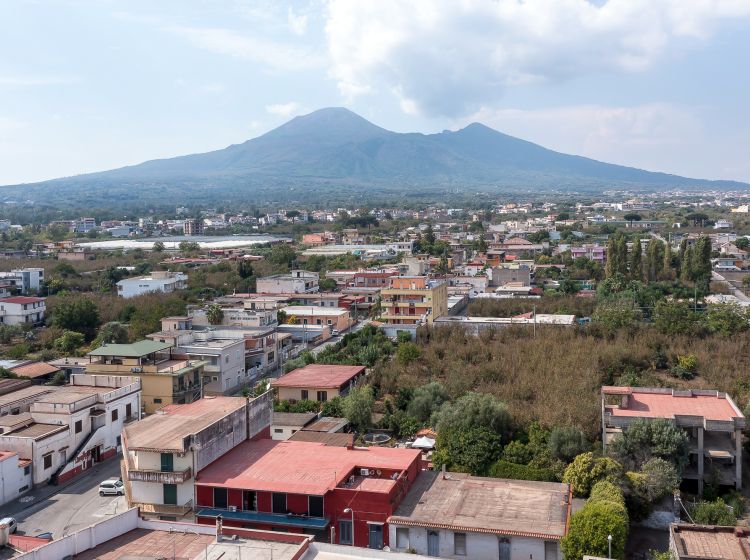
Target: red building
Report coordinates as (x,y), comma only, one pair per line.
(310,488)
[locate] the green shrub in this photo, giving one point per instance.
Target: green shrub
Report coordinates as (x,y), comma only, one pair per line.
(517,452)
(590,527)
(18,351)
(605,491)
(514,471)
(566,443)
(713,513)
(586,470)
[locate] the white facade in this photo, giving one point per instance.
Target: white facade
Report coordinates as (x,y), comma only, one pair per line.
(476,546)
(296,282)
(158,281)
(22,310)
(15,476)
(25,279)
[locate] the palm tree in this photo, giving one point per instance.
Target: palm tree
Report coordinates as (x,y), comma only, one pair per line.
(214,314)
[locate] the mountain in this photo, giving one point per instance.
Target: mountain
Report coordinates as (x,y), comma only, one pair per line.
(337,147)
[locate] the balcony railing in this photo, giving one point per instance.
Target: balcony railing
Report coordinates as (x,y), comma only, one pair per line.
(165,509)
(161,477)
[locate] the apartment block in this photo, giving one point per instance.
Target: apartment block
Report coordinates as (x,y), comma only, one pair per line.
(22,310)
(317,382)
(158,281)
(711,419)
(414,299)
(296,282)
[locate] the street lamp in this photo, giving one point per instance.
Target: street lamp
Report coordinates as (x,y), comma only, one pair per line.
(350,510)
(609,542)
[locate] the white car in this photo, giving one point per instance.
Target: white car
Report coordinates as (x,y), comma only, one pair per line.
(10,522)
(112,487)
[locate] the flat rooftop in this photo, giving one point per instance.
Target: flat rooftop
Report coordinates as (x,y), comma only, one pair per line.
(134,350)
(318,375)
(711,543)
(299,467)
(655,403)
(167,429)
(37,431)
(292,418)
(26,393)
(315,310)
(488,505)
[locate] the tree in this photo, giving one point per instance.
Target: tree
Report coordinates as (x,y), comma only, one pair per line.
(622,255)
(111,333)
(613,265)
(659,479)
(244,268)
(282,254)
(158,247)
(726,319)
(407,352)
(472,450)
(590,528)
(357,407)
(293,214)
(482,244)
(586,470)
(425,400)
(474,410)
(69,342)
(632,217)
(636,264)
(327,284)
(214,314)
(189,247)
(615,313)
(698,218)
(429,236)
(566,443)
(76,313)
(742,243)
(654,259)
(562,217)
(675,317)
(647,438)
(666,270)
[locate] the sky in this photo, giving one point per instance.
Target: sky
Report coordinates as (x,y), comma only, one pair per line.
(92,85)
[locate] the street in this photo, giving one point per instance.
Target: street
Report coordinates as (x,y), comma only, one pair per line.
(75,507)
(334,339)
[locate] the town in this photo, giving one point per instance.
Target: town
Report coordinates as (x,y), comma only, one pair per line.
(534,379)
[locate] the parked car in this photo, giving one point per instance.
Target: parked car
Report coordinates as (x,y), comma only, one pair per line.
(112,487)
(10,522)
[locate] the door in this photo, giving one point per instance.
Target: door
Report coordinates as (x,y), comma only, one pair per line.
(376,537)
(167,462)
(550,550)
(170,494)
(433,543)
(504,545)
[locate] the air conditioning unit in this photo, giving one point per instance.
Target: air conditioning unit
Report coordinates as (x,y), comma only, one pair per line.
(233,508)
(364,472)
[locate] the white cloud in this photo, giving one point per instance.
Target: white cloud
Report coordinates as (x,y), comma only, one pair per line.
(297,22)
(450,57)
(286,110)
(274,55)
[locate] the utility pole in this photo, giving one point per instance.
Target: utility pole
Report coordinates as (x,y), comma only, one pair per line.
(534,311)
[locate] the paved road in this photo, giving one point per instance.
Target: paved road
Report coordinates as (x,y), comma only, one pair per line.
(77,506)
(716,277)
(334,339)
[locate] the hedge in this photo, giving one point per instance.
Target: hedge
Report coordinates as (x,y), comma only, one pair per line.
(506,469)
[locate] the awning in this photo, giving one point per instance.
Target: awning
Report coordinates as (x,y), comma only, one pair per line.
(423,443)
(287,520)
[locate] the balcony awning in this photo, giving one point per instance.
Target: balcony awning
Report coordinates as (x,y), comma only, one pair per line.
(317,523)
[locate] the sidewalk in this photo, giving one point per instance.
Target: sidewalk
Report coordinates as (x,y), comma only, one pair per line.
(94,476)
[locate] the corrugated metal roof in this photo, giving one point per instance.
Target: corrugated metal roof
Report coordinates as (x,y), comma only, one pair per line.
(135,350)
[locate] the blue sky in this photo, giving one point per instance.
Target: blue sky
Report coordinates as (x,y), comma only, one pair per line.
(93,85)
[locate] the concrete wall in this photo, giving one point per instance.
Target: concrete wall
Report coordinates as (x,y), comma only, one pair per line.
(479,546)
(295,393)
(13,481)
(219,438)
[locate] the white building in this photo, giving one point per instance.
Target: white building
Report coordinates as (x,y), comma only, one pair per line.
(25,279)
(163,452)
(158,281)
(15,476)
(70,430)
(296,282)
(455,515)
(22,310)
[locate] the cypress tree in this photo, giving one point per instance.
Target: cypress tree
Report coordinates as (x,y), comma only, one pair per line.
(636,264)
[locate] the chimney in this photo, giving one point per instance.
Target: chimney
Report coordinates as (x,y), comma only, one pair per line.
(219,527)
(350,442)
(444,472)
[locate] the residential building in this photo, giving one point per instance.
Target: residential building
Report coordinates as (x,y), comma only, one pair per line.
(193,226)
(476,325)
(708,542)
(317,382)
(25,279)
(723,224)
(165,379)
(285,424)
(412,299)
(38,372)
(711,419)
(456,515)
(18,399)
(501,275)
(593,252)
(163,453)
(163,281)
(15,476)
(22,310)
(343,495)
(372,279)
(73,428)
(336,318)
(296,282)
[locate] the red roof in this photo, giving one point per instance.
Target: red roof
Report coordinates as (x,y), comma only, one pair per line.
(35,369)
(318,375)
(301,467)
(666,405)
(21,299)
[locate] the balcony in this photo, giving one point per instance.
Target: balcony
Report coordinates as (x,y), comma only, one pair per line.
(160,477)
(165,509)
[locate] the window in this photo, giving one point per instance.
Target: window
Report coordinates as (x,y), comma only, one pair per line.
(128,410)
(322,396)
(402,537)
(27,470)
(157,401)
(79,426)
(249,500)
(167,462)
(345,532)
(226,359)
(119,441)
(279,502)
(459,544)
(278,430)
(315,506)
(47,461)
(305,394)
(115,414)
(23,488)
(220,498)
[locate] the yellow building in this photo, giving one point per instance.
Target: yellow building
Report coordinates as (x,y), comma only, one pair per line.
(412,299)
(165,379)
